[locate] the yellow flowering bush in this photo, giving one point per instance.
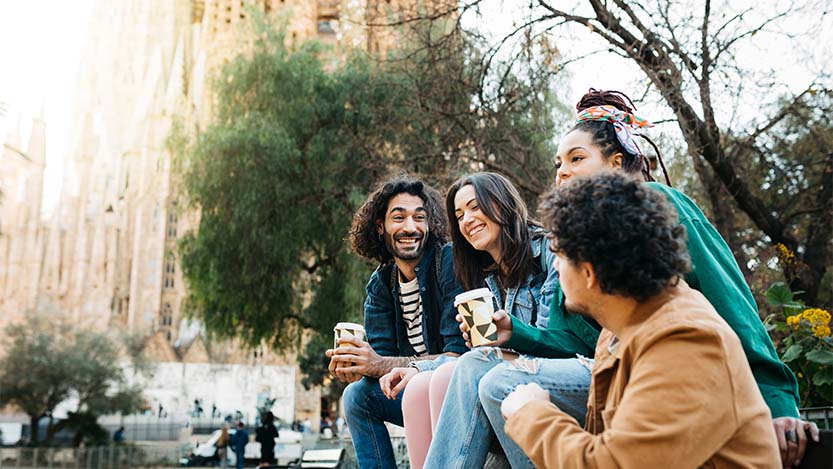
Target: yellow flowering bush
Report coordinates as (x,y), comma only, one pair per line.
(818,320)
(803,339)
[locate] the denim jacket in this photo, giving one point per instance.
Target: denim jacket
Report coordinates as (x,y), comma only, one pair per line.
(383,313)
(530,301)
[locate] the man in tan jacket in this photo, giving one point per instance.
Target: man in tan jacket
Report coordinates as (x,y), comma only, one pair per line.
(671,386)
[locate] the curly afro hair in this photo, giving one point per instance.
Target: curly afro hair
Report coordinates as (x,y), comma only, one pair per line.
(626,230)
(363,236)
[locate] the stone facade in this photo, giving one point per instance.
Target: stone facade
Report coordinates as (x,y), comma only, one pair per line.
(106,258)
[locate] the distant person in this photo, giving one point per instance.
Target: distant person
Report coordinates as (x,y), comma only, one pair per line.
(222,447)
(325,423)
(239,442)
(340,424)
(118,437)
(265,435)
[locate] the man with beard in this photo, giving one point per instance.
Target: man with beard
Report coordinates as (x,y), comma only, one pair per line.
(408,313)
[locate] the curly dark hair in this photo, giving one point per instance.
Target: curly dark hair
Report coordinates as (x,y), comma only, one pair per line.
(500,201)
(628,232)
(363,236)
(604,134)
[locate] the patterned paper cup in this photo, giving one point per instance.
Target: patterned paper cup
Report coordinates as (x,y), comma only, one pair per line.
(347,329)
(476,308)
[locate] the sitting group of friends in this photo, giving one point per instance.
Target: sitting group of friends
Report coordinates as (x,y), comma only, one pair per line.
(626,333)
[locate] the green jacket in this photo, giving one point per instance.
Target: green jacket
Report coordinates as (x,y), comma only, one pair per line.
(715,273)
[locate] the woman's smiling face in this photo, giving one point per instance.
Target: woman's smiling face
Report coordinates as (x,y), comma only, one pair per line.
(479,230)
(577,155)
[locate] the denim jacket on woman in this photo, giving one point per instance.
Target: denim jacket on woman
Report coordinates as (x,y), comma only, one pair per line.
(530,301)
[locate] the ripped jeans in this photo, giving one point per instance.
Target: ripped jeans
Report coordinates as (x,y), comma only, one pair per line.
(470,416)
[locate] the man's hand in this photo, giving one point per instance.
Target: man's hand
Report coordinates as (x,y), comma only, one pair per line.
(523,394)
(394,382)
(337,369)
(359,358)
(501,320)
(792,438)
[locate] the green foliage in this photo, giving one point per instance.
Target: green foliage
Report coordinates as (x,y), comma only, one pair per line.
(780,296)
(802,336)
(298,141)
(33,373)
(273,178)
(47,362)
(789,167)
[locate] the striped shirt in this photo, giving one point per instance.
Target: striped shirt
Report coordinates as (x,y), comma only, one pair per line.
(411,303)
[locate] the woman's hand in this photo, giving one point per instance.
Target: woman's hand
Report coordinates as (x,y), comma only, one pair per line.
(793,435)
(394,382)
(504,328)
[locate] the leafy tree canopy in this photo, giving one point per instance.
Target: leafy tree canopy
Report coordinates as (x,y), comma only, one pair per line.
(47,363)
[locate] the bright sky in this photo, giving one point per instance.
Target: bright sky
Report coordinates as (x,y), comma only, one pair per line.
(41,43)
(791,64)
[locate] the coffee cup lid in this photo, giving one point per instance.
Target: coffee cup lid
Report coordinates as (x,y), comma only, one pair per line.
(349,325)
(484,293)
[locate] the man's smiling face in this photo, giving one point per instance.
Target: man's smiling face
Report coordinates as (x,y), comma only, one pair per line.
(405,227)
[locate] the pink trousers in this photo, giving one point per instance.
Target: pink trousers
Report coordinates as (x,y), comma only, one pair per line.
(421,406)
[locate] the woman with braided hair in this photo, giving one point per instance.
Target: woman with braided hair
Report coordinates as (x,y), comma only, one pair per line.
(604,138)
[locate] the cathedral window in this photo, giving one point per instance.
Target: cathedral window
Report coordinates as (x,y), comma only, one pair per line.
(173,218)
(167,315)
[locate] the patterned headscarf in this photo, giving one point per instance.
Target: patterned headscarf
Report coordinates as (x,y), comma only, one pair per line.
(626,124)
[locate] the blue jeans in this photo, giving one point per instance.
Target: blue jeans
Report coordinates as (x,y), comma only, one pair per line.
(366,410)
(475,418)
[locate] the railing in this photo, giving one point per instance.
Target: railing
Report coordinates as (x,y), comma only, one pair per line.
(207,425)
(823,416)
(98,457)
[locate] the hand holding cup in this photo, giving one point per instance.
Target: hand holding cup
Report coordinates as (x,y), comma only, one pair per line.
(476,309)
(501,320)
(344,330)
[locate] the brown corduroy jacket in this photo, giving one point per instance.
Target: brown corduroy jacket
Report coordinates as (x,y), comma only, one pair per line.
(675,392)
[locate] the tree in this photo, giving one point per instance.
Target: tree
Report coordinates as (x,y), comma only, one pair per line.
(47,363)
(298,141)
(99,384)
(689,51)
(33,373)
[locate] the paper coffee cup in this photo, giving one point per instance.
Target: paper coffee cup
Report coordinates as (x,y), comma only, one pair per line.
(476,308)
(347,329)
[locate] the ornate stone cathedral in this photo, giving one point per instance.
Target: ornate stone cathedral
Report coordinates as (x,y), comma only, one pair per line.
(106,257)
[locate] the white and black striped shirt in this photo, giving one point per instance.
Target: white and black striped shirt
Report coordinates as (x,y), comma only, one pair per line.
(412,314)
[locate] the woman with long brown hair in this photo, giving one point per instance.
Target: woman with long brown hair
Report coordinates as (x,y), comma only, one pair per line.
(496,245)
